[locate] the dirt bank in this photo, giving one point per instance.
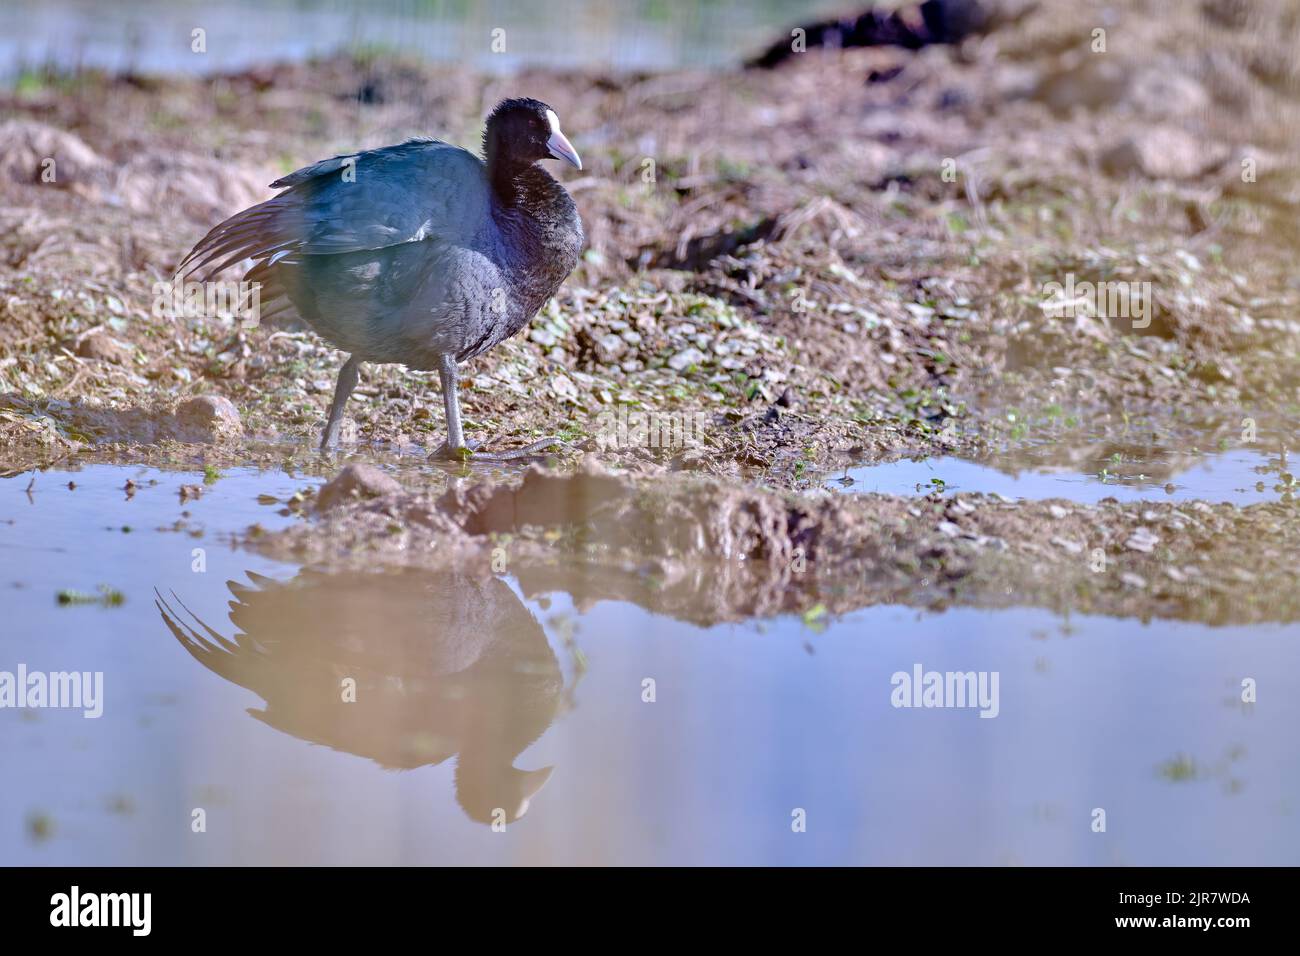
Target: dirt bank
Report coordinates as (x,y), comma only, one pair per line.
(1019,242)
(868,237)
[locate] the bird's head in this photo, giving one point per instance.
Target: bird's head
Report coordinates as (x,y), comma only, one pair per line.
(504,793)
(522,131)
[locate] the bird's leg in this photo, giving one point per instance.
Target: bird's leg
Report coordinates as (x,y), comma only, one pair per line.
(451,448)
(348,376)
(455,447)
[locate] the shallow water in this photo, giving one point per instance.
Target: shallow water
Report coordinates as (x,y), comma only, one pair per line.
(227,698)
(1238,476)
(154,36)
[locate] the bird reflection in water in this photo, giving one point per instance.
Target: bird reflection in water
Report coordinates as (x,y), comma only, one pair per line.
(443,664)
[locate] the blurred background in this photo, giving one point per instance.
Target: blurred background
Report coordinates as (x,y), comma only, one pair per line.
(621,34)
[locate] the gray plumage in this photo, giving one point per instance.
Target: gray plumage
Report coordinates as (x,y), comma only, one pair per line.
(419,253)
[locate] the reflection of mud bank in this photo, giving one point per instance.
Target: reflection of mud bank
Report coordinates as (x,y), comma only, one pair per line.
(704,552)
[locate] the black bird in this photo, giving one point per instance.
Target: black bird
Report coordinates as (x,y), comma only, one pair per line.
(419,253)
(444,664)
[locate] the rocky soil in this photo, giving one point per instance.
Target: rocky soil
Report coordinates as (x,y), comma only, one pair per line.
(845,259)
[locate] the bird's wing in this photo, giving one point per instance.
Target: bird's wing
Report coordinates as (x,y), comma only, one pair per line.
(381,197)
(233,660)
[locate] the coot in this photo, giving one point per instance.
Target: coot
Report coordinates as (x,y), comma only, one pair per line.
(419,253)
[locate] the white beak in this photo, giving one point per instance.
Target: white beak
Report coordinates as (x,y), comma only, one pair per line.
(559,144)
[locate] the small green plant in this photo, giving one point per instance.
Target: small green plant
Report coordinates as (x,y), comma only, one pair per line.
(1179,769)
(40,826)
(106,596)
(814,618)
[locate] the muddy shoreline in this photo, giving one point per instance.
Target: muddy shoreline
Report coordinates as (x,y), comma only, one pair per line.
(798,273)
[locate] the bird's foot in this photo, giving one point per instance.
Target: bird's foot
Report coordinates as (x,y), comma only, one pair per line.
(515,454)
(465,452)
(470,451)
